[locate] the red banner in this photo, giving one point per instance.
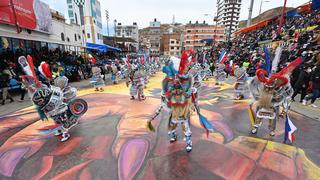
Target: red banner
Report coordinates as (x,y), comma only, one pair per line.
(6,13)
(30,14)
(25,13)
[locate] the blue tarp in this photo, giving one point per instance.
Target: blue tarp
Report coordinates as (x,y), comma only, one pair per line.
(209,41)
(315,4)
(292,13)
(101,47)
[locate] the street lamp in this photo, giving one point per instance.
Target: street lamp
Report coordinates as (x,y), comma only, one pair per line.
(262,1)
(115,32)
(215,19)
(107,18)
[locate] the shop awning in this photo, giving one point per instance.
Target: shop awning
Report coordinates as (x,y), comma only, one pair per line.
(253,27)
(101,47)
(209,41)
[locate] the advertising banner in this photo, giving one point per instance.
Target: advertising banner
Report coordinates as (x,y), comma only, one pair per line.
(30,14)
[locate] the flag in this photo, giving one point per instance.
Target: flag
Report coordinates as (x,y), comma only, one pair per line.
(267,57)
(92,60)
(290,128)
(223,57)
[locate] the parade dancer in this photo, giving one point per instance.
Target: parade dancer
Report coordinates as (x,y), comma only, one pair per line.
(180,98)
(97,79)
(114,73)
(241,85)
(136,80)
(270,94)
(58,102)
(220,74)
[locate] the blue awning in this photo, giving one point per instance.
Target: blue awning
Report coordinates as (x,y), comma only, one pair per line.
(209,41)
(292,13)
(101,47)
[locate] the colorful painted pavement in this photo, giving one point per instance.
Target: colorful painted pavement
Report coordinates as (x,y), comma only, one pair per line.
(112,142)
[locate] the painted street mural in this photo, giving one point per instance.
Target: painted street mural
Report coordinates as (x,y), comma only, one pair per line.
(113,142)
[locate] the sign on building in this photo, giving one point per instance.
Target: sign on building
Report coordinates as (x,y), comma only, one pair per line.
(29,14)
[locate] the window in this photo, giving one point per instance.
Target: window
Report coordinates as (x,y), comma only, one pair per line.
(70,13)
(172,42)
(76,17)
(188,42)
(75,37)
(88,35)
(62,36)
(172,48)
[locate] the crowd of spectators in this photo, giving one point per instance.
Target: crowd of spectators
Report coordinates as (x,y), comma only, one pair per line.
(73,66)
(300,36)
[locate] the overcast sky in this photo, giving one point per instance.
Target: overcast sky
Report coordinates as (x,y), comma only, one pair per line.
(144,11)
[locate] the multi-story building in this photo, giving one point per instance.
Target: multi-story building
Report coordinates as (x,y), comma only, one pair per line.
(129,31)
(195,34)
(90,18)
(171,44)
(74,12)
(155,37)
(228,15)
(54,36)
(172,39)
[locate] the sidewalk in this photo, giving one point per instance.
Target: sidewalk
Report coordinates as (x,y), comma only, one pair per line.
(296,106)
(308,111)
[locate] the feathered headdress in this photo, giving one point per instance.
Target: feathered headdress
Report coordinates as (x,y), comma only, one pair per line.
(279,79)
(44,69)
(187,58)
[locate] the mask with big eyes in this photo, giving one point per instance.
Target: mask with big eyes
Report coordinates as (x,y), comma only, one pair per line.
(42,96)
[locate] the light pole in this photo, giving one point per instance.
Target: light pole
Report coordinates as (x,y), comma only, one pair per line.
(250,13)
(215,19)
(262,1)
(115,32)
(107,18)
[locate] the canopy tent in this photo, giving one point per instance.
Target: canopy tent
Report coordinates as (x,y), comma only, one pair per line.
(102,47)
(315,4)
(209,41)
(253,27)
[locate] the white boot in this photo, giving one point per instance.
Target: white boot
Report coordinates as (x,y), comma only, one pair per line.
(58,133)
(65,136)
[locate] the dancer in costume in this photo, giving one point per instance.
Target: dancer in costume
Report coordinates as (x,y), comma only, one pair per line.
(136,79)
(241,86)
(114,73)
(58,102)
(180,98)
(219,74)
(97,79)
(270,94)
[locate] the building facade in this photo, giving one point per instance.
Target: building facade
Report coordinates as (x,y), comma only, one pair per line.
(90,18)
(194,35)
(228,15)
(172,39)
(74,12)
(155,37)
(63,38)
(171,44)
(129,31)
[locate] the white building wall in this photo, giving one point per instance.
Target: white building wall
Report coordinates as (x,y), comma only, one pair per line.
(92,22)
(58,27)
(129,31)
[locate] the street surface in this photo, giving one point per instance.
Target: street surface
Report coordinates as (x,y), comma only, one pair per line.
(112,142)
